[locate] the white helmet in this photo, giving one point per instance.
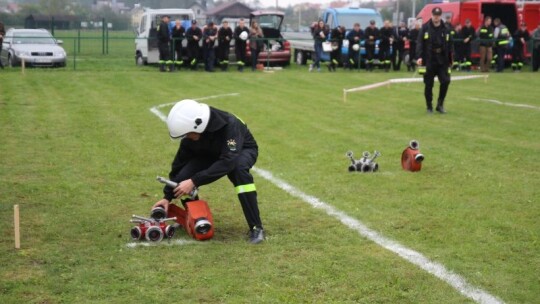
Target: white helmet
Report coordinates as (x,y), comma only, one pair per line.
(356,47)
(243,35)
(188,116)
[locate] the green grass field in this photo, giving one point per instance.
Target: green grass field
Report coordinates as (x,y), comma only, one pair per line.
(79,152)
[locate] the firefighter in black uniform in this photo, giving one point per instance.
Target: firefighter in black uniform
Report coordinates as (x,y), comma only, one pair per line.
(387,38)
(399,50)
(178,33)
(458,47)
(521,36)
(336,37)
(225,36)
(372,35)
(467,33)
(452,30)
(210,34)
(193,36)
(240,44)
(164,38)
(434,50)
(355,37)
(413,37)
(213,144)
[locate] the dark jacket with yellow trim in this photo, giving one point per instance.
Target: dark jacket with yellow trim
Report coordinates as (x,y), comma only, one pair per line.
(424,44)
(223,140)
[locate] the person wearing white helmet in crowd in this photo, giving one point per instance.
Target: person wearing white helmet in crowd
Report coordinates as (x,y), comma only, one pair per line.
(355,37)
(240,41)
(213,144)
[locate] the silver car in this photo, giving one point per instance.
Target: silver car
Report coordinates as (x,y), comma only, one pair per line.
(37,47)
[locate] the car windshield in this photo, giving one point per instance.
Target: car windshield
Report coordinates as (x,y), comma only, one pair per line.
(269,21)
(33,38)
(348,21)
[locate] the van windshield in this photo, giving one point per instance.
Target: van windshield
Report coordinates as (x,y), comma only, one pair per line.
(349,20)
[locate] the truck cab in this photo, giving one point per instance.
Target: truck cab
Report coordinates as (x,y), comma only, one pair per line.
(347,17)
(146,50)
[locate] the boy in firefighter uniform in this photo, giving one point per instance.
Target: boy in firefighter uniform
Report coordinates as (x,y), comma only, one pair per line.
(467,33)
(372,35)
(225,36)
(336,37)
(485,34)
(213,144)
(163,37)
(178,33)
(521,36)
(434,50)
(501,36)
(240,44)
(193,36)
(355,37)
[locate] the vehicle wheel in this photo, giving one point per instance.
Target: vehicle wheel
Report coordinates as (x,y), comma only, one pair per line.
(300,60)
(9,61)
(139,60)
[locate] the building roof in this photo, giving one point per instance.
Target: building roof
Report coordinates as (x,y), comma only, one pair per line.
(225,6)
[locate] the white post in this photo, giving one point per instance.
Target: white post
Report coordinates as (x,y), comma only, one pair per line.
(16,225)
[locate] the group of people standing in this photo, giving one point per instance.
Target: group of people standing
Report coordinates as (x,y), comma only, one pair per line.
(494,44)
(210,43)
(390,38)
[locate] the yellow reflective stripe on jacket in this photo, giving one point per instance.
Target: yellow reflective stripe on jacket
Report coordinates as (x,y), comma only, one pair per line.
(426,36)
(245,188)
(504,31)
(503,42)
(447,37)
(483,30)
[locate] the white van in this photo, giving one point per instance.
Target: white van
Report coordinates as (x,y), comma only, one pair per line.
(146,50)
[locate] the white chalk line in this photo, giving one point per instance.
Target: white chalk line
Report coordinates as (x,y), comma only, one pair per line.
(163,117)
(178,242)
(406,80)
(502,103)
(438,270)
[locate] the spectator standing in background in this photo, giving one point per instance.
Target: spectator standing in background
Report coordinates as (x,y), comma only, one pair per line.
(240,44)
(178,33)
(255,43)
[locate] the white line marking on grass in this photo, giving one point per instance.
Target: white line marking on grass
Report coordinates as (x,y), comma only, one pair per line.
(178,242)
(456,281)
(459,283)
(163,117)
(517,105)
(403,80)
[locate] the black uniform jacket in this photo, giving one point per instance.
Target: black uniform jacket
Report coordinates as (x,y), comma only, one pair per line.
(163,33)
(178,35)
(190,32)
(223,140)
(434,44)
(237,41)
(223,33)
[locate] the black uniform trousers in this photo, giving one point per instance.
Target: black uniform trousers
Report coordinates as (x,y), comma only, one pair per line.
(164,53)
(370,55)
(240,177)
(441,71)
(240,51)
(536,58)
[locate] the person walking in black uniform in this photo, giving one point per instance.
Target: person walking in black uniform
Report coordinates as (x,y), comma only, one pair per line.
(225,36)
(164,38)
(387,38)
(413,37)
(193,36)
(355,37)
(336,38)
(536,48)
(521,36)
(178,33)
(210,34)
(402,36)
(372,35)
(213,144)
(240,44)
(434,50)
